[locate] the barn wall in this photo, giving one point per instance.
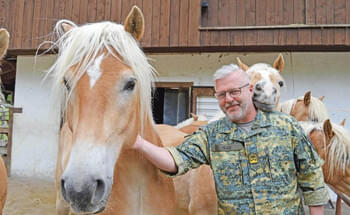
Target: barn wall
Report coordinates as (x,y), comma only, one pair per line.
(324,73)
(184,24)
(35,130)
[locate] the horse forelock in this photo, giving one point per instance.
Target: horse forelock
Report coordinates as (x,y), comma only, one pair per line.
(265,72)
(79,47)
(262,68)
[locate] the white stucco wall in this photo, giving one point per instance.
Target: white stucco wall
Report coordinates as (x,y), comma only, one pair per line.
(324,73)
(35,130)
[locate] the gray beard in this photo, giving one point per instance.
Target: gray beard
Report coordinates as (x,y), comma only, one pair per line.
(238,116)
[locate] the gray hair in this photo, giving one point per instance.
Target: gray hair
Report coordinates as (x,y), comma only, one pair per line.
(227,70)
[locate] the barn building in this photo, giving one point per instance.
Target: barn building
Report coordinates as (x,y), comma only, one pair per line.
(186,41)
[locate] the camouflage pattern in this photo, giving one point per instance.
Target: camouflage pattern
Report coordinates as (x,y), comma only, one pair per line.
(257,172)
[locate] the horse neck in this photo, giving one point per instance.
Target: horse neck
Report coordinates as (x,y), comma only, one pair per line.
(149,133)
(133,172)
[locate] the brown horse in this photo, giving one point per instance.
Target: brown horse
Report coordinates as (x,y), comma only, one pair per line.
(305,108)
(4,41)
(106,80)
(332,143)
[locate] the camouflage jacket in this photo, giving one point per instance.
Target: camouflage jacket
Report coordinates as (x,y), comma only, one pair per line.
(257,172)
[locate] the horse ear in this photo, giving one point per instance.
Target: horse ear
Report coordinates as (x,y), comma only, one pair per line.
(243,66)
(279,63)
(321,98)
(328,131)
(194,116)
(63,26)
(4,41)
(343,122)
(67,27)
(135,23)
(307,98)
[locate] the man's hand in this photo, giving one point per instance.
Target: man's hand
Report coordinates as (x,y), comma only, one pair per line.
(158,156)
(316,210)
(138,143)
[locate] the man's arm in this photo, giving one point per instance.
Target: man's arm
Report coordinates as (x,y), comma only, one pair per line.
(316,210)
(310,175)
(158,156)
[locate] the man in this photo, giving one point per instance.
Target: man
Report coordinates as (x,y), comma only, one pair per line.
(259,159)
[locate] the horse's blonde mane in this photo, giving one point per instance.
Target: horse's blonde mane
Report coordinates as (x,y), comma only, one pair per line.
(286,106)
(338,155)
(317,110)
(80,45)
(189,121)
(339,150)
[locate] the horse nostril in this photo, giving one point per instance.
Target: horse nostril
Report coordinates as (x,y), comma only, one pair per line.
(258,87)
(274,90)
(281,83)
(63,189)
(99,192)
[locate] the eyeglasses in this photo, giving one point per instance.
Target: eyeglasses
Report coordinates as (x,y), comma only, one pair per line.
(232,92)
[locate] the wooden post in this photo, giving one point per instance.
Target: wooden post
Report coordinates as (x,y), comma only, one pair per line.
(9,144)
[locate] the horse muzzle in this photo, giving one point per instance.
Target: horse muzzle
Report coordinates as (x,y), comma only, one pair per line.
(84,196)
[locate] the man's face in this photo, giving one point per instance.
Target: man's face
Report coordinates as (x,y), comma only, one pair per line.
(237,100)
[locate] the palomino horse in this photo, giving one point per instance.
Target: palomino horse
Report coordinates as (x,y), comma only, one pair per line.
(4,41)
(332,143)
(106,80)
(305,108)
(267,82)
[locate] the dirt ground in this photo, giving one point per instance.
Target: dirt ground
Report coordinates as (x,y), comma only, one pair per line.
(28,196)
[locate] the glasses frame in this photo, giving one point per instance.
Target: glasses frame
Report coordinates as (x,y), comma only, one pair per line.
(237,91)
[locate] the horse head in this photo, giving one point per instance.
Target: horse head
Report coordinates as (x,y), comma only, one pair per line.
(267,82)
(332,143)
(106,82)
(305,108)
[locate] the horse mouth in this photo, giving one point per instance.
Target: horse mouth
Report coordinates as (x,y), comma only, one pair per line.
(90,209)
(264,106)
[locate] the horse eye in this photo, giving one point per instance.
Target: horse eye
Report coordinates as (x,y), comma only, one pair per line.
(280,83)
(65,82)
(130,85)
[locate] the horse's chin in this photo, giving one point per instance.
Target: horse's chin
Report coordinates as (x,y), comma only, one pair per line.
(88,210)
(263,106)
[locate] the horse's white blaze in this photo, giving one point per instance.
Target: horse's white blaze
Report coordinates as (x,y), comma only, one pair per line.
(94,71)
(92,160)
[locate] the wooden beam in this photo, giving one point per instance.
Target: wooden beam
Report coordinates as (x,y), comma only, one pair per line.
(267,27)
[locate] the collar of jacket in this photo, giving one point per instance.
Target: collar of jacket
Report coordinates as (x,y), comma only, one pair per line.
(261,120)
